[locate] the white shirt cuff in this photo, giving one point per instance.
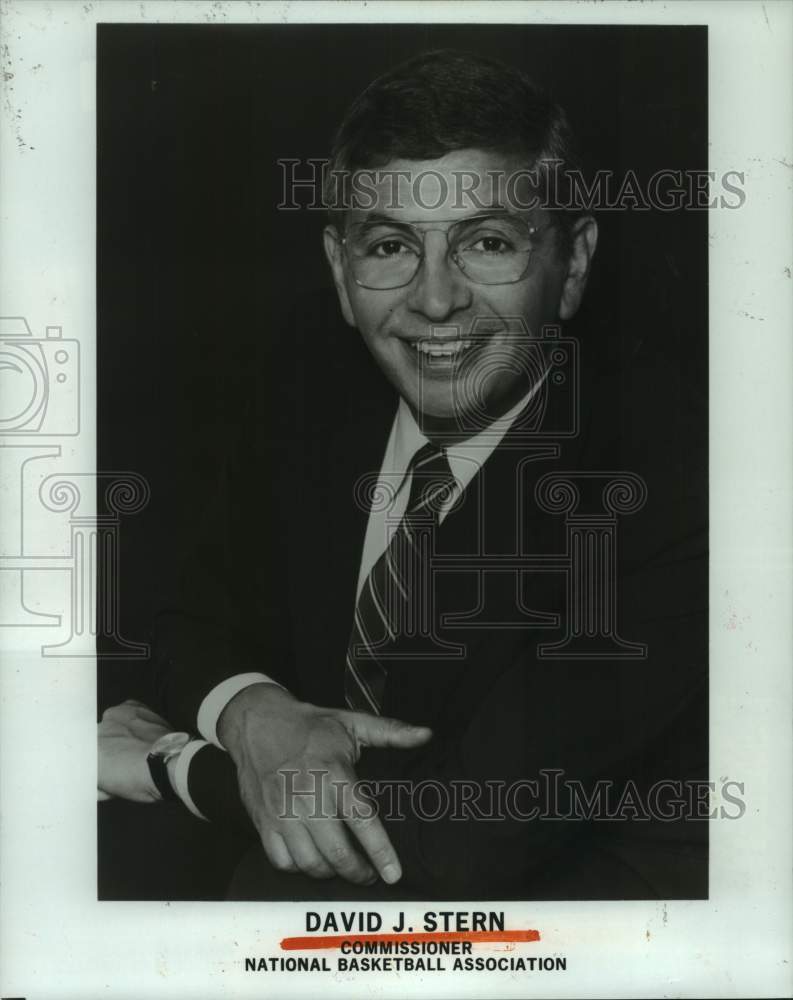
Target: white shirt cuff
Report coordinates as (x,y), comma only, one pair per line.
(181,772)
(219,697)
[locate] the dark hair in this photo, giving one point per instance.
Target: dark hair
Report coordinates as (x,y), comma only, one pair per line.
(446,100)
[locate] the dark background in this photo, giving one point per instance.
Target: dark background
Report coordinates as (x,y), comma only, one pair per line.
(199,273)
(198,270)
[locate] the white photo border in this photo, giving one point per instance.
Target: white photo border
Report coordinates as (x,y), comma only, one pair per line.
(56,940)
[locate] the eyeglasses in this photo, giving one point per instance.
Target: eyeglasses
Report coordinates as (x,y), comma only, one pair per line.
(488,249)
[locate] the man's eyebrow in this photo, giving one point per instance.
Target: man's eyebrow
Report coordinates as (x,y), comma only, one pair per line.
(481,213)
(381,217)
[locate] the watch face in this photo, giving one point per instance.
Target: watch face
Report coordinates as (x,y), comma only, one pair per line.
(170,744)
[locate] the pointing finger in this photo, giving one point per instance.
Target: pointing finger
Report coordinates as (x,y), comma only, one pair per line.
(379,731)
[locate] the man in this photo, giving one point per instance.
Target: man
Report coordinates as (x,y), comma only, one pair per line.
(388,590)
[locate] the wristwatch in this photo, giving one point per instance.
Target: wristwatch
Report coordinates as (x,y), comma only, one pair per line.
(164,749)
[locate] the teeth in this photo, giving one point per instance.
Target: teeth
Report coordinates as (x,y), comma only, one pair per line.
(447,349)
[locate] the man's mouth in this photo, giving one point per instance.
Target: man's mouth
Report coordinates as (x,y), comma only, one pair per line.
(435,353)
(442,349)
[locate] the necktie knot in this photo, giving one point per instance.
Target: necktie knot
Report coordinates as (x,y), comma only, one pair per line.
(432,481)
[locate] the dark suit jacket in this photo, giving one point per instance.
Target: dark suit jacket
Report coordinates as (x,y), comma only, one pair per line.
(272,588)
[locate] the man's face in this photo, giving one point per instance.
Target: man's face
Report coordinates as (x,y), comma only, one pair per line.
(448,343)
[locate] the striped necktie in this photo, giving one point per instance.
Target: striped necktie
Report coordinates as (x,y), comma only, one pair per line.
(393,603)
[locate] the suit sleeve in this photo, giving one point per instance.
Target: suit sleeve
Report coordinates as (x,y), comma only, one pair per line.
(229,615)
(213,790)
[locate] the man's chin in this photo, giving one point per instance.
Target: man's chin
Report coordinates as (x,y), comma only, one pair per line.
(446,405)
(445,417)
(433,402)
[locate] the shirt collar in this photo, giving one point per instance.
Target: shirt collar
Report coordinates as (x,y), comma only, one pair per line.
(465,457)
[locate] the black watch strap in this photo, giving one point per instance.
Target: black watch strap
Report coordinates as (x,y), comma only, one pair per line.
(165,748)
(158,768)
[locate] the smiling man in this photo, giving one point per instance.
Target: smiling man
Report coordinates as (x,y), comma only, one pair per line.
(389,592)
(414,279)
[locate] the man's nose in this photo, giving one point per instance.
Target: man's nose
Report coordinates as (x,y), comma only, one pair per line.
(439,288)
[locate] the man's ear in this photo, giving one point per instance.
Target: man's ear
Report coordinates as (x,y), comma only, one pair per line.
(584,241)
(333,251)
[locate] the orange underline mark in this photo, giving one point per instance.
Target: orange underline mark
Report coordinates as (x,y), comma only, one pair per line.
(337,940)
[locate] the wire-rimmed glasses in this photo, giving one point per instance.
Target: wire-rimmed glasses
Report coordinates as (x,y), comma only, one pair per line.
(492,249)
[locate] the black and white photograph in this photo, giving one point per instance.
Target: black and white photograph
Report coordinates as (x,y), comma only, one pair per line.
(397,567)
(426,437)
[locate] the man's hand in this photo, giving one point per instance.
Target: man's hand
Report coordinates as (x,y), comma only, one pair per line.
(126,734)
(283,747)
